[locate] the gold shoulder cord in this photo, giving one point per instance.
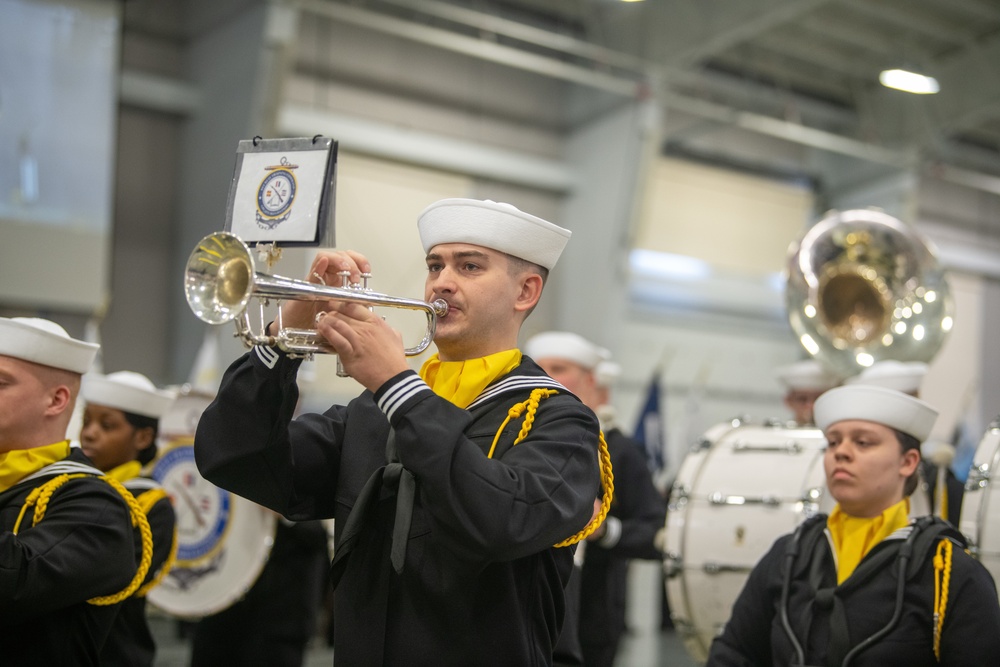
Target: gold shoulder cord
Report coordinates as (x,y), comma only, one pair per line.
(942,580)
(146,501)
(529,408)
(39,498)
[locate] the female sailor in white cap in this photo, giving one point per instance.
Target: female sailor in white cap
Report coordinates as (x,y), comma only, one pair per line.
(120,425)
(864,586)
(68,553)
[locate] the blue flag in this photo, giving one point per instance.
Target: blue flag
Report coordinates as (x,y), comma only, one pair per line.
(649,429)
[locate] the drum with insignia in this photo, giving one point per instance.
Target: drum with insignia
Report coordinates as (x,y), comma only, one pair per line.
(223,540)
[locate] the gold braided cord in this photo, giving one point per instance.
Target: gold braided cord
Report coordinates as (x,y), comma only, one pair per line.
(608,484)
(529,408)
(147,500)
(138,519)
(39,498)
(942,580)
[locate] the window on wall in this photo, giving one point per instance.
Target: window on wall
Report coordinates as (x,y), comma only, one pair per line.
(713,239)
(59,64)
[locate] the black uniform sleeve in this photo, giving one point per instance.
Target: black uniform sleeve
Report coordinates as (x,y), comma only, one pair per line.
(746,639)
(162,522)
(971,632)
(82,548)
(246,441)
(523,500)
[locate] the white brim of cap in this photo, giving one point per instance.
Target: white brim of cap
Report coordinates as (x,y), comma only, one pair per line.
(875,404)
(45,343)
(127,397)
(565,345)
(493,225)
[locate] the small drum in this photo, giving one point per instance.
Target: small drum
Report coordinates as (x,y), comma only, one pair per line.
(740,489)
(981,502)
(223,540)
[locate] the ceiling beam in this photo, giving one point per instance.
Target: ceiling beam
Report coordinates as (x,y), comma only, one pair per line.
(473,47)
(793,132)
(524,33)
(909,20)
(724,27)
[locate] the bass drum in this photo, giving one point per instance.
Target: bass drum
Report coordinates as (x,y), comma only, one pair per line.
(223,540)
(981,502)
(740,489)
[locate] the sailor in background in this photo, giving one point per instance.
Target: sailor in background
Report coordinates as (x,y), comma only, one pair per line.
(68,554)
(936,455)
(804,382)
(121,421)
(638,510)
(864,586)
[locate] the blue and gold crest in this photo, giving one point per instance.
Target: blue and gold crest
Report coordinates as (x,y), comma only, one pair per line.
(276,194)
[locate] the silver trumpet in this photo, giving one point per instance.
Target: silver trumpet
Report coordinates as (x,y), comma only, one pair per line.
(220,280)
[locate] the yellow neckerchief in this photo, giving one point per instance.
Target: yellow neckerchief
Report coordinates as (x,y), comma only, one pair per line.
(125,471)
(461,382)
(17,464)
(853,537)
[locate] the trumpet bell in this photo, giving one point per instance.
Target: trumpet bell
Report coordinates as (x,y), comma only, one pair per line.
(219,278)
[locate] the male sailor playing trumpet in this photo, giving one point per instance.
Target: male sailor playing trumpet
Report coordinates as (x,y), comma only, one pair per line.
(449,487)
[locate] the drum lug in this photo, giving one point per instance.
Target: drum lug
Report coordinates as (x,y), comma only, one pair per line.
(718,568)
(673,564)
(979,477)
(718,498)
(789,447)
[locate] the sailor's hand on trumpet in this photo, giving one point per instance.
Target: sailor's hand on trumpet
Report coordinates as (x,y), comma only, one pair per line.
(327,269)
(370,350)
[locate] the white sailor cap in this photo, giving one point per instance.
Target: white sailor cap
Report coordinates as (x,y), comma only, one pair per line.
(904,376)
(566,345)
(492,225)
(45,342)
(606,373)
(807,375)
(128,392)
(875,404)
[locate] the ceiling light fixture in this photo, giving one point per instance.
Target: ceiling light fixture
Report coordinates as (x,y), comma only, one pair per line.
(910,82)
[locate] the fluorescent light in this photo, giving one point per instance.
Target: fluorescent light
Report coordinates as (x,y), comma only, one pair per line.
(910,82)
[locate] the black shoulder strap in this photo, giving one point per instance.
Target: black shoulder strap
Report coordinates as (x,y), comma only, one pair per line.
(805,536)
(931,530)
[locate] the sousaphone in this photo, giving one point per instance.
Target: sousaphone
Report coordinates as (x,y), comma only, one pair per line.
(862,287)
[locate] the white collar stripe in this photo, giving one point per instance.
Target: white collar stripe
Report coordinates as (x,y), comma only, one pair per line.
(268,355)
(517,383)
(142,483)
(64,467)
(401,392)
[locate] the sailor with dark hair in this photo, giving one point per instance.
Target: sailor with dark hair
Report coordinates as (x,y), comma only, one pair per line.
(864,585)
(121,421)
